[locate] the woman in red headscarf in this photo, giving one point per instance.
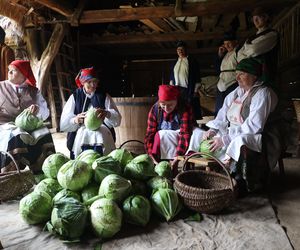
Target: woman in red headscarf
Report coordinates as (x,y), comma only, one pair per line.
(88,95)
(170,126)
(18,93)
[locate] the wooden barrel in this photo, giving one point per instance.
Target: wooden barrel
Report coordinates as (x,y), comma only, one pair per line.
(133,126)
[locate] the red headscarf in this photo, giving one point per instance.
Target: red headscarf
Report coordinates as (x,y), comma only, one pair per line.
(24,67)
(168,93)
(85,75)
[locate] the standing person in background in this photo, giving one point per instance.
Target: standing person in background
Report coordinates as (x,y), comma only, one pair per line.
(227,61)
(185,74)
(263,46)
(89,94)
(6,56)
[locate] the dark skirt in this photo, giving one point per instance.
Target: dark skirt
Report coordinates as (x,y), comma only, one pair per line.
(27,155)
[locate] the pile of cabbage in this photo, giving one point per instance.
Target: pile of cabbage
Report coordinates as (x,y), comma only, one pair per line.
(99,192)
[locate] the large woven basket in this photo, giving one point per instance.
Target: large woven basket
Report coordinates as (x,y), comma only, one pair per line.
(205,191)
(15,183)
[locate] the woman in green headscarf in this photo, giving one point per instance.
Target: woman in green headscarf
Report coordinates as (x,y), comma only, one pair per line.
(241,120)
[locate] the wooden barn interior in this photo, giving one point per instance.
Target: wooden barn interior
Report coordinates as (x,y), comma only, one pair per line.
(132,45)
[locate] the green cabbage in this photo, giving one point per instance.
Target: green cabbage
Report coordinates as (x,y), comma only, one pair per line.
(68,218)
(28,121)
(48,185)
(74,175)
(163,169)
(166,203)
(91,121)
(88,156)
(140,168)
(137,210)
(66,193)
(35,207)
(89,191)
(121,155)
(138,187)
(53,163)
(115,187)
(204,148)
(159,182)
(105,166)
(106,217)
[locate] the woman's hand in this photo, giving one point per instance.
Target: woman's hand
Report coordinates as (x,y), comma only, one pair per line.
(153,159)
(79,119)
(216,143)
(209,134)
(102,113)
(34,109)
(174,166)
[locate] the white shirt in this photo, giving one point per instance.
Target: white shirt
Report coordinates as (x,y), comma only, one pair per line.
(258,46)
(67,123)
(263,102)
(181,72)
(226,79)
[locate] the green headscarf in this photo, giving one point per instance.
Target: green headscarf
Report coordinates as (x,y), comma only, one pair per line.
(251,66)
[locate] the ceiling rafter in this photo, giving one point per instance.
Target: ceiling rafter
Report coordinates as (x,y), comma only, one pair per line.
(150,38)
(190,9)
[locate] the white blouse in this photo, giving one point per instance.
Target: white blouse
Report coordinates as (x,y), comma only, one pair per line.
(263,102)
(67,123)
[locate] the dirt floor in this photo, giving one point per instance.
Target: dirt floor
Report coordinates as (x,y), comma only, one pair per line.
(284,192)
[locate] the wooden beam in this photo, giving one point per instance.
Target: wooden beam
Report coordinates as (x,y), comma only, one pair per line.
(214,7)
(151,25)
(49,54)
(166,37)
(74,20)
(134,52)
(58,7)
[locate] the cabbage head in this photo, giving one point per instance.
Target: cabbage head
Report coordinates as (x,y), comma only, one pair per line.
(159,182)
(53,163)
(74,175)
(204,148)
(105,166)
(115,187)
(137,210)
(166,203)
(123,156)
(66,193)
(106,217)
(138,187)
(68,218)
(89,191)
(140,168)
(48,185)
(35,207)
(91,121)
(163,169)
(88,156)
(28,121)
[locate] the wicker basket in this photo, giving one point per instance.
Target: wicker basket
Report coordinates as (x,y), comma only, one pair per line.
(15,183)
(203,191)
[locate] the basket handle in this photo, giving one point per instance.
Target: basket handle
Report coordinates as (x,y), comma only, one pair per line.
(13,159)
(122,145)
(212,157)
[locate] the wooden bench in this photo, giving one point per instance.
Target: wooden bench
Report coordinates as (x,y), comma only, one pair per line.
(201,162)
